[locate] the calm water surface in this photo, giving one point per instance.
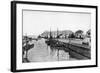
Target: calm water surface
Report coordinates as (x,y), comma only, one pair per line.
(41,52)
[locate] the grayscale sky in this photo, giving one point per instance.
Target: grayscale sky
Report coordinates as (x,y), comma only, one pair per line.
(36,22)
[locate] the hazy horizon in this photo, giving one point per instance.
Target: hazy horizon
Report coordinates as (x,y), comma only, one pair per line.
(36,22)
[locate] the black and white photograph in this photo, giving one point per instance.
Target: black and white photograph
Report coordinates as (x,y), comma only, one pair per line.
(56,36)
(48,36)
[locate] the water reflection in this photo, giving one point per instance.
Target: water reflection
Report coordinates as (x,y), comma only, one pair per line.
(41,52)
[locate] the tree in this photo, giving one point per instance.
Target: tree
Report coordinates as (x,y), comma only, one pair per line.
(88,33)
(71,35)
(79,31)
(39,36)
(79,34)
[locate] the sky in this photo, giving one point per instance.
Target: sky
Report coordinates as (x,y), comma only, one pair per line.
(36,22)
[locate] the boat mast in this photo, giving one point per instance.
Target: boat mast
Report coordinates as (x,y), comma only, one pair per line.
(57,44)
(50,34)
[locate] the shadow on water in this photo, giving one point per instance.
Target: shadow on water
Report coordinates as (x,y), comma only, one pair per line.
(59,49)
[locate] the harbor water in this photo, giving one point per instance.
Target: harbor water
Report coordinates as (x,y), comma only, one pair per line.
(41,52)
